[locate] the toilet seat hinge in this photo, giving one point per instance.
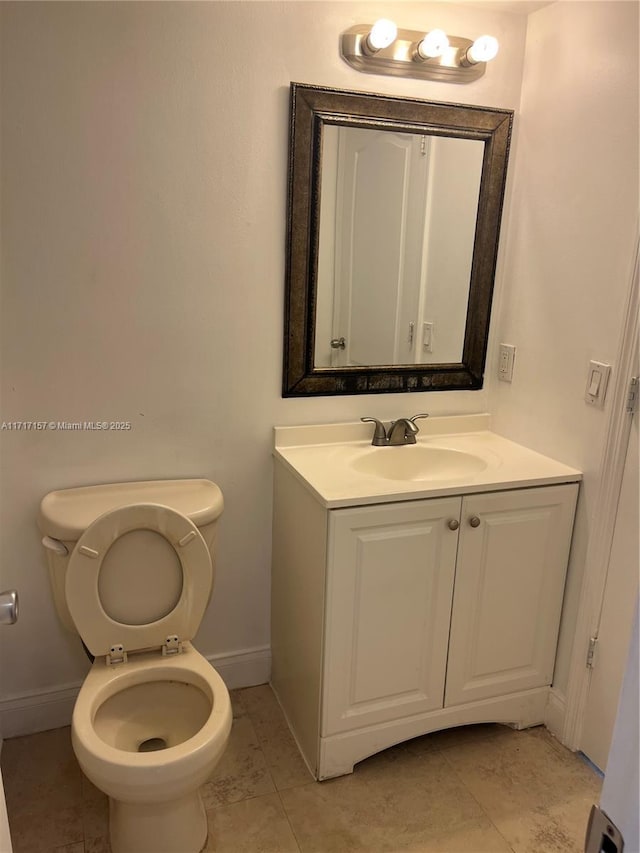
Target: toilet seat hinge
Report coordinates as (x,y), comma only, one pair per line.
(172,646)
(116,654)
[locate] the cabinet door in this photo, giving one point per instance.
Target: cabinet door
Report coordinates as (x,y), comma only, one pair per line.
(389,588)
(508,591)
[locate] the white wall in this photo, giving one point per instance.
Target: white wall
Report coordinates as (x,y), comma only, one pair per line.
(143,200)
(144,156)
(571,227)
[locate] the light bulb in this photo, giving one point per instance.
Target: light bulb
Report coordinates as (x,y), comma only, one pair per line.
(383,33)
(483,49)
(433,44)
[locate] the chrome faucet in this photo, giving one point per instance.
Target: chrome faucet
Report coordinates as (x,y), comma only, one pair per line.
(379,434)
(402,431)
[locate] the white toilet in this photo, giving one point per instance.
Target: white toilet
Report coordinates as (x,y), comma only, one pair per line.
(130,565)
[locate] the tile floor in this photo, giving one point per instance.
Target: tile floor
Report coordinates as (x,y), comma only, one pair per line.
(479,789)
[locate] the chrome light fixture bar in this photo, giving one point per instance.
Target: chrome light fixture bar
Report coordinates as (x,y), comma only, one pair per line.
(381,49)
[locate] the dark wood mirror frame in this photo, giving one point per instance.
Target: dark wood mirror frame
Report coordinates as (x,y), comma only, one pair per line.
(313,107)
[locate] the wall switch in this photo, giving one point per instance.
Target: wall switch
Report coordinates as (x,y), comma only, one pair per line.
(597,381)
(427,337)
(506,359)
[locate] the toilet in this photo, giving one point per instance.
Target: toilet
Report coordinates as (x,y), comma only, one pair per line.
(131,573)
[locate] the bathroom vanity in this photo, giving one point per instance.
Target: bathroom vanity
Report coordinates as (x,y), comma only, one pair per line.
(413,588)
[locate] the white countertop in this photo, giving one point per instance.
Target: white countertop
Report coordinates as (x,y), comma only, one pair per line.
(322,457)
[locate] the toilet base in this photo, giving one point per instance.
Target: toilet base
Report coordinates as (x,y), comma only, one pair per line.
(177,826)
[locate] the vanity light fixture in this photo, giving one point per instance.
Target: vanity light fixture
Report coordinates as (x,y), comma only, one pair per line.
(484,49)
(432,45)
(384,49)
(382,34)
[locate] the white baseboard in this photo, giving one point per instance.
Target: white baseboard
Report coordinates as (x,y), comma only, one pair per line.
(245,668)
(51,708)
(554,714)
(45,709)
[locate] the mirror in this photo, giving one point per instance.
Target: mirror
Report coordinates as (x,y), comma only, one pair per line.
(393,277)
(393,224)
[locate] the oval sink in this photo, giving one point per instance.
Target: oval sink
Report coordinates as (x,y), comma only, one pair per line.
(413,462)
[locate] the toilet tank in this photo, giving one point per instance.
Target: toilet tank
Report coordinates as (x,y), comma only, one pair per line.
(65,515)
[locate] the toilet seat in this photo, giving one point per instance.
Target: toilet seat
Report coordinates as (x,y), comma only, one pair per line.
(104,635)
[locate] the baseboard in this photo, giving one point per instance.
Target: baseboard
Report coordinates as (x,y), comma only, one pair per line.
(244,668)
(51,708)
(554,715)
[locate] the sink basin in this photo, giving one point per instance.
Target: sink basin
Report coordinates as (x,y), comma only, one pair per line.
(454,455)
(416,462)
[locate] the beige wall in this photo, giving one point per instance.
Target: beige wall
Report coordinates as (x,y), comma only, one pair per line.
(143,215)
(144,156)
(572,229)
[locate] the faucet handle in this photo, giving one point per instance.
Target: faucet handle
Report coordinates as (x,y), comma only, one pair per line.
(379,434)
(415,418)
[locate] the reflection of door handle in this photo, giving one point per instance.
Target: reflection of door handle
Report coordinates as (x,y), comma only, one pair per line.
(338,343)
(8,607)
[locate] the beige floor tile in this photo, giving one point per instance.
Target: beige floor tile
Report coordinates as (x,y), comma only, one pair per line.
(521,771)
(555,829)
(242,771)
(40,773)
(237,703)
(545,735)
(287,766)
(261,704)
(477,789)
(483,838)
(251,826)
(537,796)
(97,845)
(95,817)
(44,831)
(393,801)
(89,790)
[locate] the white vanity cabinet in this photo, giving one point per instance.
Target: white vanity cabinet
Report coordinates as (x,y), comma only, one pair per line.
(411,628)
(390,574)
(396,619)
(509,586)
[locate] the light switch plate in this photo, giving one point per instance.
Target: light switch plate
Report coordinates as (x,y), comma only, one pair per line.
(597,381)
(506,358)
(427,337)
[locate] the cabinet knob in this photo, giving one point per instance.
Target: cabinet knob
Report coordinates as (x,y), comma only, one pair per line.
(453,524)
(474,521)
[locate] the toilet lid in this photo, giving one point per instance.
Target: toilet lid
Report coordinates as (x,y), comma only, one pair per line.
(138,574)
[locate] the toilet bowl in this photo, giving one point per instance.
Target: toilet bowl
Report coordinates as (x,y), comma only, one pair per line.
(149,736)
(153,717)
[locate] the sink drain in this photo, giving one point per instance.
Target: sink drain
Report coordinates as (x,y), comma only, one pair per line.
(152,744)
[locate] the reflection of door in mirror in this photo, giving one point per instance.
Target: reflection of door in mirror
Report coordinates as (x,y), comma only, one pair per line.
(397,225)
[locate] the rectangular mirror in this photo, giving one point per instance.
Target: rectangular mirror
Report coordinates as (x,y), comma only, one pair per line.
(393,223)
